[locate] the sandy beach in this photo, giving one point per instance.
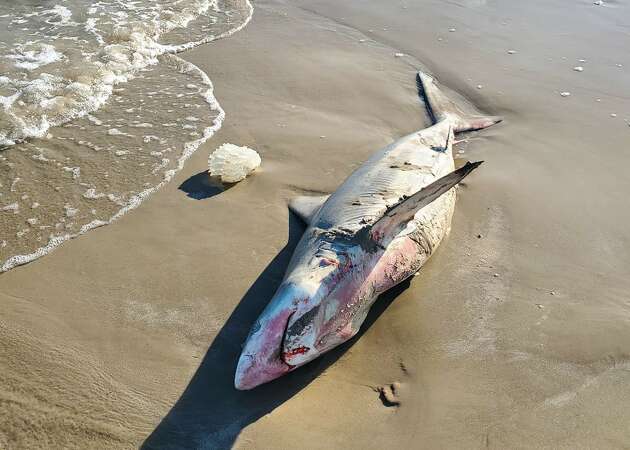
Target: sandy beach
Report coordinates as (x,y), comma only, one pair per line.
(516,334)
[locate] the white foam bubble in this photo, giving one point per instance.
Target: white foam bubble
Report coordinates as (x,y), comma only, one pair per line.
(92,195)
(76,171)
(13,207)
(70,211)
(117,132)
(62,13)
(34,59)
(232,163)
(94,120)
(40,157)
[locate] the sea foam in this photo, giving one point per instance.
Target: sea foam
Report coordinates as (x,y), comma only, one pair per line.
(91,78)
(232,163)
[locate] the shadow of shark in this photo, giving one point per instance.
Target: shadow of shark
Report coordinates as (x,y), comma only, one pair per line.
(210,413)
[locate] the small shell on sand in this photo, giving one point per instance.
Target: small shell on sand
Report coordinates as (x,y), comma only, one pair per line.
(598,3)
(232,163)
(399,55)
(579,69)
(480,86)
(511,52)
(452,30)
(613,115)
(565,94)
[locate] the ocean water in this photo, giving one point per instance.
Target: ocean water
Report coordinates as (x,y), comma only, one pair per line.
(97,111)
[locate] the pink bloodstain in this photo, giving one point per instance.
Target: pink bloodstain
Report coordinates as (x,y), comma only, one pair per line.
(394,266)
(295,351)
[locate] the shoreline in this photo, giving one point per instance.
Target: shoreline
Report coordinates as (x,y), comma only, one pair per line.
(509,336)
(190,147)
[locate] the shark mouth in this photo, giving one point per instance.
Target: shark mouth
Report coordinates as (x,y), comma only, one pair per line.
(284,354)
(300,340)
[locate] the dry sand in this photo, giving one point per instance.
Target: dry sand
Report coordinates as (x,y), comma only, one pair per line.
(517,338)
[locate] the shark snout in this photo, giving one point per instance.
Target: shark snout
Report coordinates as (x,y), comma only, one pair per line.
(284,337)
(261,361)
(252,371)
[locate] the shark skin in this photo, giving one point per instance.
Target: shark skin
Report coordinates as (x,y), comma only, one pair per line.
(379,228)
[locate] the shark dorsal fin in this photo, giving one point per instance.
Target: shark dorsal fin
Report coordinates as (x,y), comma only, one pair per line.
(305,207)
(403,211)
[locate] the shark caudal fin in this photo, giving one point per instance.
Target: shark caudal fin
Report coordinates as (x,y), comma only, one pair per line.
(404,211)
(440,108)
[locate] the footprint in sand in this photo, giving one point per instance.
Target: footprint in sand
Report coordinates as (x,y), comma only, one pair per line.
(389,394)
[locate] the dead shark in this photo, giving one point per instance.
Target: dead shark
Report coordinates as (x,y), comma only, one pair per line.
(379,227)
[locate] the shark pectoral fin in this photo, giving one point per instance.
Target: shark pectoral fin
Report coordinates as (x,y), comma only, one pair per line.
(440,107)
(306,207)
(405,210)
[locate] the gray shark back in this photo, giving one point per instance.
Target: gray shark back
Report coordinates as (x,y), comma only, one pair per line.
(397,171)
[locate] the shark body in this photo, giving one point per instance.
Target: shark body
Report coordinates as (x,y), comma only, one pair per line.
(379,228)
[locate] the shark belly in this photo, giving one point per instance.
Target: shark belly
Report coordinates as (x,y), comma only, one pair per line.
(406,254)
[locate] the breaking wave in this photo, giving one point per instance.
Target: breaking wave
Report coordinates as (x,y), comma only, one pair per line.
(97,111)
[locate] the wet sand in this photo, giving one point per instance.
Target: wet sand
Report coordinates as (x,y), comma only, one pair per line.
(517,332)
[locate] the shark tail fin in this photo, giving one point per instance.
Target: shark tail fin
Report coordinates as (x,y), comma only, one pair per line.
(405,210)
(441,108)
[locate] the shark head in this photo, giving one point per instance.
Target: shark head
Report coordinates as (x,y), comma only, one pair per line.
(311,313)
(325,322)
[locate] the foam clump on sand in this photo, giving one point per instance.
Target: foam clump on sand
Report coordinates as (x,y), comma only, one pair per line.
(232,163)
